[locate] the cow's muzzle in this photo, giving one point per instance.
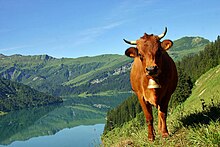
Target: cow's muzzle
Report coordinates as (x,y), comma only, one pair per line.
(152,70)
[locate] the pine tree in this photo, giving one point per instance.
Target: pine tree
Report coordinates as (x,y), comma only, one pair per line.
(183,89)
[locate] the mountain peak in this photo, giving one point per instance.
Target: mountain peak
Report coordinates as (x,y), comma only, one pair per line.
(46,57)
(187,43)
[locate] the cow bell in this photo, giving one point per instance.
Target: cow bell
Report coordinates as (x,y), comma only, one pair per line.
(153,84)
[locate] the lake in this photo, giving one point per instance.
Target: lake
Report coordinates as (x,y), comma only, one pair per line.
(80,136)
(55,126)
(77,122)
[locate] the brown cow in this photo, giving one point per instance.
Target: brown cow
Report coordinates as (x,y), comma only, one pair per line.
(153,78)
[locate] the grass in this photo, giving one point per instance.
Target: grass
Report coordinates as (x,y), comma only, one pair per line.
(2,113)
(196,122)
(205,135)
(110,61)
(178,55)
(103,93)
(85,108)
(184,131)
(206,89)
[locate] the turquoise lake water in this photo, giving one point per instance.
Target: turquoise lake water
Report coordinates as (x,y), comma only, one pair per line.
(52,126)
(80,136)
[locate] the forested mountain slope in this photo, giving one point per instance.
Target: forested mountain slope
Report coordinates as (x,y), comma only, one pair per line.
(81,76)
(14,96)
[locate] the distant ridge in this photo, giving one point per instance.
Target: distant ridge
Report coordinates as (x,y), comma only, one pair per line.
(83,76)
(188,43)
(2,56)
(186,46)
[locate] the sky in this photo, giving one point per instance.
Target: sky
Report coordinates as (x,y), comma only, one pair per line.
(75,28)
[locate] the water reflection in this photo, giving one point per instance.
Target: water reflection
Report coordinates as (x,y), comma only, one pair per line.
(80,136)
(25,124)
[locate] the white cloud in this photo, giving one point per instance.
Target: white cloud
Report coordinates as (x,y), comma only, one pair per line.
(128,9)
(121,14)
(12,48)
(91,34)
(101,29)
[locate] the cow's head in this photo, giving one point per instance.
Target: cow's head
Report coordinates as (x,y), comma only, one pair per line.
(149,51)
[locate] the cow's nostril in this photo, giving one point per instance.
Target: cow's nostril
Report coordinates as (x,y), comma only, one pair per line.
(152,70)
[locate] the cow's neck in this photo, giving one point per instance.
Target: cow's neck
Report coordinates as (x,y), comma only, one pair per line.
(153,84)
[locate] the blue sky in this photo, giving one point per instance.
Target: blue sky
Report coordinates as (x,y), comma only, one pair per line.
(74,28)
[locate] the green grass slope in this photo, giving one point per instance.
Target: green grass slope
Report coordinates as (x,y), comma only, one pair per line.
(186,46)
(207,89)
(196,122)
(62,77)
(109,62)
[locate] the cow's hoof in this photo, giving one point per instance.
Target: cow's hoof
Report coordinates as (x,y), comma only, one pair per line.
(165,135)
(151,138)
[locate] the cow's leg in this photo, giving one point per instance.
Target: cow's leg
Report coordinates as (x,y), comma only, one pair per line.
(147,109)
(162,126)
(159,121)
(149,120)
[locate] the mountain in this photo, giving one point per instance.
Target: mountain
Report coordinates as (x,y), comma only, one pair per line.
(14,96)
(67,76)
(186,46)
(84,76)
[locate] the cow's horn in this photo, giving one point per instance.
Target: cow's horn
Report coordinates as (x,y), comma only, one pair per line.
(131,42)
(163,34)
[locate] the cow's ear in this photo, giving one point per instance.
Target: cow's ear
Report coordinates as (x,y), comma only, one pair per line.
(131,52)
(166,44)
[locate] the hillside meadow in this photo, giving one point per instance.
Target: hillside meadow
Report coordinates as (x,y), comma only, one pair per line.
(195,122)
